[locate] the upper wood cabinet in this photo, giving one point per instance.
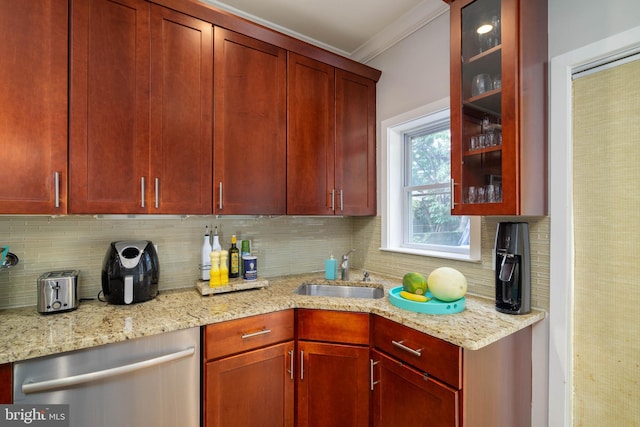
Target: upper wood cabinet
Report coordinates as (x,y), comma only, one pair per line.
(181,116)
(498,107)
(331,148)
(33,106)
(310,148)
(355,144)
(141,100)
(250,132)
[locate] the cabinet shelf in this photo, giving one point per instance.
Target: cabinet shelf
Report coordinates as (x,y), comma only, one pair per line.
(472,153)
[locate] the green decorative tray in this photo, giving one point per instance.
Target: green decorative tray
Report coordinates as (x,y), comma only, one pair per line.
(433,306)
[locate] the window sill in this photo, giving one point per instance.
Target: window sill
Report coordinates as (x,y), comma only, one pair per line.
(433,254)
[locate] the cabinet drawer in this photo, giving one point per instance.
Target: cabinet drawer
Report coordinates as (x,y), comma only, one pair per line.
(333,326)
(235,336)
(431,355)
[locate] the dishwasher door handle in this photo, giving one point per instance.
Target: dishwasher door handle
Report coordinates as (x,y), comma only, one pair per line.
(106,373)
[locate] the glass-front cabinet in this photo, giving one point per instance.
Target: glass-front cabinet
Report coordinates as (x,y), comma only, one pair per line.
(498,107)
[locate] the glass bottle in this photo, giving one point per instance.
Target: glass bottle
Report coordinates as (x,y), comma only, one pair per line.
(234,259)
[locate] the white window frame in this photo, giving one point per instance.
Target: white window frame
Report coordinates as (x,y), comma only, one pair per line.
(392,180)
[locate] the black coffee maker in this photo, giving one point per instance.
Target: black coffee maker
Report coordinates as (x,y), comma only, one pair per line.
(513,269)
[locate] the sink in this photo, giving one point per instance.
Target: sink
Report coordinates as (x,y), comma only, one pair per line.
(324,290)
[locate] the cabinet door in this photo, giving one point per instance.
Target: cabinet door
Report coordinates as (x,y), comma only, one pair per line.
(181,113)
(250,101)
(109,124)
(33,106)
(333,385)
(311,147)
(498,115)
(355,144)
(403,396)
(251,389)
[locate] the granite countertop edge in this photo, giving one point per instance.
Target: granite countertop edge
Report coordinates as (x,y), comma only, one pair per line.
(27,334)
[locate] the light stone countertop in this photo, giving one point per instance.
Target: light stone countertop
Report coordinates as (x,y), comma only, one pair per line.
(26,334)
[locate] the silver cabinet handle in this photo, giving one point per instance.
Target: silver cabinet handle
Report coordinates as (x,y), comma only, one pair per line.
(400,345)
(157,191)
(333,197)
(341,204)
(255,334)
(106,373)
(453,186)
(142,191)
(290,352)
(372,363)
(301,365)
(220,194)
(56,180)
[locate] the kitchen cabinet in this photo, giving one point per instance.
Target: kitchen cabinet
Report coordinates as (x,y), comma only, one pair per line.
(331,147)
(6,383)
(498,107)
(250,133)
(333,380)
(249,372)
(420,380)
(140,109)
(33,106)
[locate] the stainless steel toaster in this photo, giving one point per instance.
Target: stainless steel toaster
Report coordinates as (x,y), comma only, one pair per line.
(58,291)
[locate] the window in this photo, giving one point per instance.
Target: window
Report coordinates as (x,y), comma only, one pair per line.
(417,193)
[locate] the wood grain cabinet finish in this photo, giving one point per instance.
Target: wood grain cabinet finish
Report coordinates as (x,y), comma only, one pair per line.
(140,110)
(250,132)
(6,383)
(331,148)
(249,372)
(33,106)
(420,380)
(515,111)
(333,370)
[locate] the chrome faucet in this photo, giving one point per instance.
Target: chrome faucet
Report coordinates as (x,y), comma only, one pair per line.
(344,266)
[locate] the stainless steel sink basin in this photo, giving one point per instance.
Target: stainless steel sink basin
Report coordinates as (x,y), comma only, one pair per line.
(323,290)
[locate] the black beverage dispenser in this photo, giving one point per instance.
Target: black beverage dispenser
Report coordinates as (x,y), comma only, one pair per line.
(513,269)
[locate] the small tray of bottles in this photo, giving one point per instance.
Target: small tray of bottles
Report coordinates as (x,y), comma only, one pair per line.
(234,285)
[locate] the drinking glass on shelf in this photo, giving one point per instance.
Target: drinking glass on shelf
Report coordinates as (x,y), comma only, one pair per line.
(480,84)
(491,138)
(471,194)
(490,191)
(482,140)
(473,143)
(497,82)
(480,195)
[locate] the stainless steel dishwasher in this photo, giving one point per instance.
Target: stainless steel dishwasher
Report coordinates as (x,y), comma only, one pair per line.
(151,381)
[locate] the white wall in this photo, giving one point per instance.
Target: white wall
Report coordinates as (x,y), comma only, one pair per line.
(577,23)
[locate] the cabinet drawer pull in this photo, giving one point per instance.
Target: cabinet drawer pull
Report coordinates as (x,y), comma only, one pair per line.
(453,187)
(220,196)
(401,346)
(301,365)
(255,334)
(341,202)
(333,199)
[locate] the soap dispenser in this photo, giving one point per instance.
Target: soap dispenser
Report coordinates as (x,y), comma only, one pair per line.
(330,268)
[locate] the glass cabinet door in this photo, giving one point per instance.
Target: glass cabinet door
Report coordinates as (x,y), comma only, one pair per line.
(498,107)
(481,46)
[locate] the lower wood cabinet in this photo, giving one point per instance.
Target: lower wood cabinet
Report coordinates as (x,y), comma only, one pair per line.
(404,396)
(333,374)
(348,369)
(248,372)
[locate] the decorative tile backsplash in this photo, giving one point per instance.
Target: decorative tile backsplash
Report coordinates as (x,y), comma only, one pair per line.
(284,245)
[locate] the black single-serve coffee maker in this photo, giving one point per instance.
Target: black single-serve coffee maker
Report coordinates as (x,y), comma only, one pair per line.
(513,269)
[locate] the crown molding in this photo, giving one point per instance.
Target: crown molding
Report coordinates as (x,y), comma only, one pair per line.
(407,24)
(398,30)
